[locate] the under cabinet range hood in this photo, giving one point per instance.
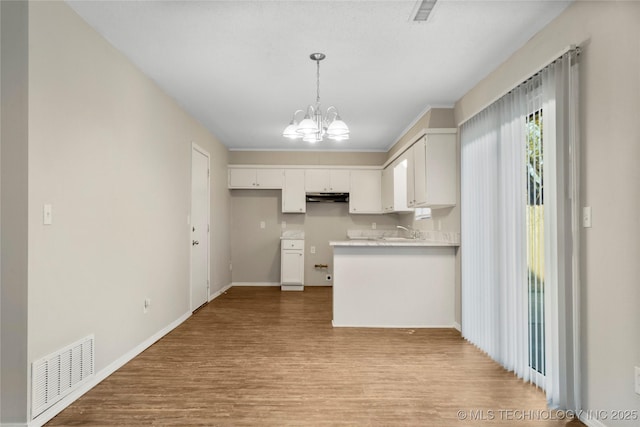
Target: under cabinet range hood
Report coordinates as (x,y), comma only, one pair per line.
(327,197)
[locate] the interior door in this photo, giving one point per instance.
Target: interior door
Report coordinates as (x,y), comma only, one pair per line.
(199,227)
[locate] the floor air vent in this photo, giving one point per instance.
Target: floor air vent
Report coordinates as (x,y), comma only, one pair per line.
(58,374)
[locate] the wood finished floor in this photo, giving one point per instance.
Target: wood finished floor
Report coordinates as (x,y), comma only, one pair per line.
(262,357)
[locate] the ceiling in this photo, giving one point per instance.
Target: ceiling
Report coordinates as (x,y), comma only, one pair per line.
(242,67)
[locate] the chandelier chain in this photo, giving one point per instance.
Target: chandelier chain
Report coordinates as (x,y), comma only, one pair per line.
(318,82)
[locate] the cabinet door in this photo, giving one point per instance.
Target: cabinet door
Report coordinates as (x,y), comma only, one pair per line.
(269,178)
(387,189)
(420,172)
(293,194)
(366,192)
(242,178)
(441,170)
(411,197)
(316,180)
(292,267)
(400,185)
(339,180)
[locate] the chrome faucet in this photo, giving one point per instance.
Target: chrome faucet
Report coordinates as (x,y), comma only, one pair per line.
(412,232)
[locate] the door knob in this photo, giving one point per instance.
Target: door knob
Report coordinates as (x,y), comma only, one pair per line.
(194,243)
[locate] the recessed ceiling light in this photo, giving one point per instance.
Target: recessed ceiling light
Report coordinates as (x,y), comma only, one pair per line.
(422,10)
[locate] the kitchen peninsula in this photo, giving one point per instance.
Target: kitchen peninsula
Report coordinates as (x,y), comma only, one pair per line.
(394,283)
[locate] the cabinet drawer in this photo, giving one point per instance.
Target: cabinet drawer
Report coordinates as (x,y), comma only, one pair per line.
(293,244)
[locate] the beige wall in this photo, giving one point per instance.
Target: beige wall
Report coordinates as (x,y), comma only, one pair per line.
(432,119)
(306,158)
(13,206)
(111,152)
(609,33)
(256,251)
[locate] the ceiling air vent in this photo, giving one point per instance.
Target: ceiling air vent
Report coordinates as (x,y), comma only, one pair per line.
(423,9)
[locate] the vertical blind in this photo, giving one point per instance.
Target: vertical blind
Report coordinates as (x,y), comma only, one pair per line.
(519,230)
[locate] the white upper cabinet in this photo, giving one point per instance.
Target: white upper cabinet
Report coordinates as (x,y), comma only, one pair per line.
(326,180)
(387,189)
(256,178)
(400,185)
(365,195)
(431,171)
(293,194)
(441,170)
(416,174)
(394,187)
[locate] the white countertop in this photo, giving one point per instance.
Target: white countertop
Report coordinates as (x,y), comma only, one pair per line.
(385,243)
(381,238)
(292,235)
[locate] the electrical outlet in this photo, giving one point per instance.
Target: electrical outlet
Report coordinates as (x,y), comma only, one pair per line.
(373,225)
(637,380)
(47,214)
(328,277)
(263,224)
(586,217)
(312,249)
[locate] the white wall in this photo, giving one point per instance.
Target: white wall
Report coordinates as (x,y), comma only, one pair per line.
(609,33)
(111,152)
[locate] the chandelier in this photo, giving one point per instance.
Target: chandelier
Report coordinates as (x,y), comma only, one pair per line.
(315,125)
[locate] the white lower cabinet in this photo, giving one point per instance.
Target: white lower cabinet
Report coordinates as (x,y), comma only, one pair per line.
(292,265)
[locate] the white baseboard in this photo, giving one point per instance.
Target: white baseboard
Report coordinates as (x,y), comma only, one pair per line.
(104,373)
(219,292)
(255,284)
(457,326)
(13,425)
(269,284)
(589,421)
(333,323)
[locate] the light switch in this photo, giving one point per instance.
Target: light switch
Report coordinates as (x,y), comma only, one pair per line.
(313,249)
(373,226)
(586,217)
(262,224)
(47,214)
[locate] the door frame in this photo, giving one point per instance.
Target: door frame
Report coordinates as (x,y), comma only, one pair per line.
(196,148)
